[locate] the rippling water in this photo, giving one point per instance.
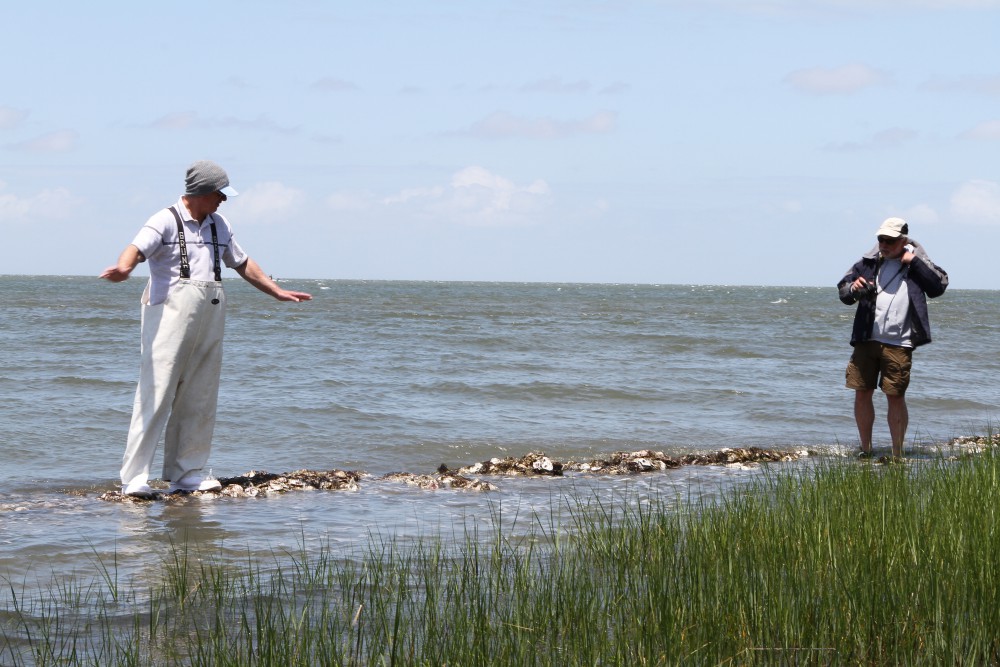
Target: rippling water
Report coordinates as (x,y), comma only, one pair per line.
(403,376)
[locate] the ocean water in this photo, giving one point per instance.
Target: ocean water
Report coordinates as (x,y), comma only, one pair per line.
(404,376)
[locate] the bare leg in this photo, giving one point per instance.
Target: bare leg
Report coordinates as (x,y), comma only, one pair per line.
(864,415)
(899,419)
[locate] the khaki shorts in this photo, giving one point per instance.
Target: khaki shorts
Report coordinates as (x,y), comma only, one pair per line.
(872,359)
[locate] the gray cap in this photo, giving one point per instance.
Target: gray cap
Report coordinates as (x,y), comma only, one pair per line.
(205,177)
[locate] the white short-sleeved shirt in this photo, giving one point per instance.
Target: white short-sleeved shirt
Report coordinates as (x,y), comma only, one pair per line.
(158,242)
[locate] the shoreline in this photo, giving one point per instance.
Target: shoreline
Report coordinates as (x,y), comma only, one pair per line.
(857,562)
(256,483)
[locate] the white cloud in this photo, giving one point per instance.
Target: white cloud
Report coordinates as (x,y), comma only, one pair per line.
(237,82)
(985,131)
(835,80)
(331,84)
(350,201)
(51,204)
(61,141)
(503,125)
(797,6)
(11,117)
(328,139)
(477,197)
(615,88)
(266,203)
(988,85)
(556,85)
(415,194)
(183,120)
(890,138)
(977,202)
(928,4)
(179,120)
(920,215)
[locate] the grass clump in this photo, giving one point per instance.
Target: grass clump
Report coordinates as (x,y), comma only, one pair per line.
(843,563)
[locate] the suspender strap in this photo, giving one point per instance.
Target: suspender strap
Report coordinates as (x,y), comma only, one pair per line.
(215,247)
(185,265)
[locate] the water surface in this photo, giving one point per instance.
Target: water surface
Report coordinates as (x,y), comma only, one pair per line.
(404,376)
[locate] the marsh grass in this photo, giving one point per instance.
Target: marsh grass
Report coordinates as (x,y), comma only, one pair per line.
(843,563)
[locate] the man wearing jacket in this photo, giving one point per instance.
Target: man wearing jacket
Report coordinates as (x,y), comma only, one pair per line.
(890,284)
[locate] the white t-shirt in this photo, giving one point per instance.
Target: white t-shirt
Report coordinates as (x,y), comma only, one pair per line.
(158,241)
(892,305)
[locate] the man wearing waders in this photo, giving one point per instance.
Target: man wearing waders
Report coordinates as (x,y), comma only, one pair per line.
(183,316)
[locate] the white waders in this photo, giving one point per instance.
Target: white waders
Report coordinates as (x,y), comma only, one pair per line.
(178,381)
(179,378)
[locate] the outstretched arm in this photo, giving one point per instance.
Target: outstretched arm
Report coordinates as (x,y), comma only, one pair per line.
(253,274)
(127,261)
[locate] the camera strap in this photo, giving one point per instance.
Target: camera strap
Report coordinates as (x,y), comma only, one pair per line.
(878,269)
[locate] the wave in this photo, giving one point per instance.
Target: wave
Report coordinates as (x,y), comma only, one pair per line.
(89,382)
(543,390)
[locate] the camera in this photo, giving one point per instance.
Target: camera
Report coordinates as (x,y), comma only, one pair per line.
(867,291)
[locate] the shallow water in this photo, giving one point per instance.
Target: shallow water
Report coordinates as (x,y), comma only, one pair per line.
(404,376)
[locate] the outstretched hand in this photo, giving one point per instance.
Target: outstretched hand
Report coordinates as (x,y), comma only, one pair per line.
(127,261)
(114,274)
(288,295)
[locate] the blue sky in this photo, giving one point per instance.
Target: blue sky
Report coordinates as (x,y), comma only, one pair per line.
(674,141)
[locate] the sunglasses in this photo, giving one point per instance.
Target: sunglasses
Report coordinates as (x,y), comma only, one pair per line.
(888,240)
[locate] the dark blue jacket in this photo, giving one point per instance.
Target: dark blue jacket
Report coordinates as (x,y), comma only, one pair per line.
(923,278)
